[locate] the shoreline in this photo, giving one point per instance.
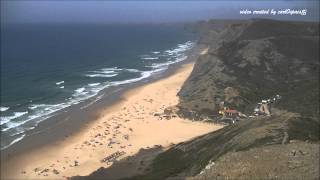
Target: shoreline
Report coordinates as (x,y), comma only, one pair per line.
(26,161)
(75,117)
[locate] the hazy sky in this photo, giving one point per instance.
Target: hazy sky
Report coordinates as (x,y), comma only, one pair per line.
(81,11)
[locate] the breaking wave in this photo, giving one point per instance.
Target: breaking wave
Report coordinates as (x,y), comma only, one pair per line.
(17,123)
(2,109)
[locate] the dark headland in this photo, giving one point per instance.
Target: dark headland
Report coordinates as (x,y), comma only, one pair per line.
(247,62)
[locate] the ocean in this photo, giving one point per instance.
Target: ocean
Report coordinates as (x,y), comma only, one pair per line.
(46,68)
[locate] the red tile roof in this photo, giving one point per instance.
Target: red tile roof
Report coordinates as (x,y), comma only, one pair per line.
(231,111)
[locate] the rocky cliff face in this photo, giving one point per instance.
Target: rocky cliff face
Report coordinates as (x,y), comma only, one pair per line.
(248,61)
(251,60)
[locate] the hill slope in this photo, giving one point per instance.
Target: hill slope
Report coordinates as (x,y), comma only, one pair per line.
(248,61)
(257,59)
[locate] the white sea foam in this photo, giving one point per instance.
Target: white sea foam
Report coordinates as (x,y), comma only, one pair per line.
(113,68)
(14,141)
(174,55)
(89,104)
(181,48)
(101,75)
(60,82)
(104,72)
(61,87)
(34,106)
(166,64)
(79,90)
(94,84)
(144,75)
(133,70)
(18,132)
(2,108)
(150,58)
(6,119)
(39,112)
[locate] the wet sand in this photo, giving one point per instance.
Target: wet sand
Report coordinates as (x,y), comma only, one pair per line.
(120,130)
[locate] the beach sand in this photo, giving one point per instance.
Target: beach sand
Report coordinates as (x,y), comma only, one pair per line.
(127,126)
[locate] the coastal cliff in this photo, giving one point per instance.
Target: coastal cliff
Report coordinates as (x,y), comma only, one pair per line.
(248,61)
(251,60)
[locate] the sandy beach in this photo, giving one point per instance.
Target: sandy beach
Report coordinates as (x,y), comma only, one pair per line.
(125,127)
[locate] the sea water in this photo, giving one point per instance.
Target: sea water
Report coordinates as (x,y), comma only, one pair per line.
(48,67)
